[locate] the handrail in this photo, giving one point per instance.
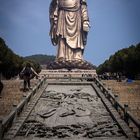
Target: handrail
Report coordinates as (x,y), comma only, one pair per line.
(134,120)
(10,117)
(6,123)
(70,77)
(127,116)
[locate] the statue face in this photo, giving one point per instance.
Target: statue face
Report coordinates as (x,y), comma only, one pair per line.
(68,2)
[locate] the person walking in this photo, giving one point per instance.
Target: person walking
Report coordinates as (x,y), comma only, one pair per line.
(27,74)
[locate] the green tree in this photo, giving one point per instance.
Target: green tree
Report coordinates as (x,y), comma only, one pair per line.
(126,61)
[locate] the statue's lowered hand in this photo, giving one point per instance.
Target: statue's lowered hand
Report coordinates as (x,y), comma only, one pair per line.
(86,26)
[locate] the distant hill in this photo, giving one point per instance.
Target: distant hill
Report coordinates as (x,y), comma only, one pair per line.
(41,58)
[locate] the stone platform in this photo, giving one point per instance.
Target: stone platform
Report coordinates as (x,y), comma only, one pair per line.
(69,111)
(65,111)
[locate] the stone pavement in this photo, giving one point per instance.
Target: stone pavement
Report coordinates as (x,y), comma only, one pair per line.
(70,111)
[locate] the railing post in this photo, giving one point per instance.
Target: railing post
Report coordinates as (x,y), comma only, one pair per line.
(24,98)
(1,129)
(69,77)
(116,101)
(125,113)
(15,109)
(139,133)
(104,90)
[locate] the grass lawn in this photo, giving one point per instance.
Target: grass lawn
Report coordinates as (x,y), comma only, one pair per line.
(11,95)
(129,93)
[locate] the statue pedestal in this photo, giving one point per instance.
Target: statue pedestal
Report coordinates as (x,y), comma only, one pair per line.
(63,68)
(70,65)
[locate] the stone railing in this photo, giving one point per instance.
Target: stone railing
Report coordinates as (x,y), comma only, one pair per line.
(66,73)
(7,122)
(131,121)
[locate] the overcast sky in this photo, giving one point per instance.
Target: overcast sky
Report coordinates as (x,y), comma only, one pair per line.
(115,24)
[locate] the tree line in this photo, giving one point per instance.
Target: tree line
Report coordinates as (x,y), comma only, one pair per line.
(125,61)
(10,63)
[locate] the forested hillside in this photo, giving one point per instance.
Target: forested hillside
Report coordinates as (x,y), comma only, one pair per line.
(10,63)
(125,61)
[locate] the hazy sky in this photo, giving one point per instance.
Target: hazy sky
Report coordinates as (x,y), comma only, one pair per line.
(115,24)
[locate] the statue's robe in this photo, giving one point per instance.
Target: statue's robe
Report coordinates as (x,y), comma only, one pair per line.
(70,15)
